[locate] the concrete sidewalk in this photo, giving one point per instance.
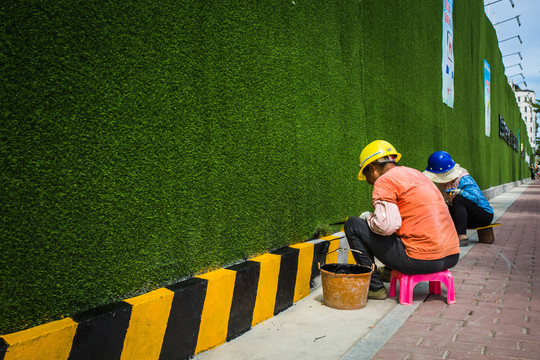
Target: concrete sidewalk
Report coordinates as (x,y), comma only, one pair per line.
(489,279)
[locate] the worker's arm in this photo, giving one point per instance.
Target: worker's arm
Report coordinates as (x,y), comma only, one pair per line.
(471,191)
(386,218)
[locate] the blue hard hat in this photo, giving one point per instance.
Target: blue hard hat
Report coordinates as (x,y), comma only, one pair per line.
(440,162)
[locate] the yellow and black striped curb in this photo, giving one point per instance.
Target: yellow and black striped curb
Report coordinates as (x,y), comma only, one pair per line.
(181,320)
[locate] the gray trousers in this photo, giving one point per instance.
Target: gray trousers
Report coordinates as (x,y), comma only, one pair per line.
(390,251)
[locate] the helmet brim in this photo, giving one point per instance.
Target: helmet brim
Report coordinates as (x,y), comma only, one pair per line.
(361,175)
(445,177)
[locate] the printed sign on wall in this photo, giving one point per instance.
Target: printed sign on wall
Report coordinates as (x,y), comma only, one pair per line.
(448,54)
(487,96)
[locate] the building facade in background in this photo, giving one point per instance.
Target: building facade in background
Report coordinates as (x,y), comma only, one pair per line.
(526,99)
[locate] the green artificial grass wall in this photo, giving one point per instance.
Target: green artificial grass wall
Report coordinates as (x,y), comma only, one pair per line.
(143,142)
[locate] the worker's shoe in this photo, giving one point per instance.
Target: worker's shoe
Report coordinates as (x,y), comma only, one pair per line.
(386,273)
(380,294)
(464,242)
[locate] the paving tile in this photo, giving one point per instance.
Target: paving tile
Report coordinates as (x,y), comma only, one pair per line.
(452,345)
(460,355)
(424,357)
(422,350)
(510,352)
(531,346)
(487,340)
(437,321)
(391,355)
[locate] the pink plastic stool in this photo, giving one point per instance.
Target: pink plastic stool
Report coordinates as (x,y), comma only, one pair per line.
(408,282)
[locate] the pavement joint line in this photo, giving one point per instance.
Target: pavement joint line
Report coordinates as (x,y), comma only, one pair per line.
(370,344)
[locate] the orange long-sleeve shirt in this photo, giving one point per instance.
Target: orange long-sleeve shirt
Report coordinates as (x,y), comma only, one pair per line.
(427,229)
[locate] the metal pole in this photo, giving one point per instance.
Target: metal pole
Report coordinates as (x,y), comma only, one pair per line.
(519,38)
(515,17)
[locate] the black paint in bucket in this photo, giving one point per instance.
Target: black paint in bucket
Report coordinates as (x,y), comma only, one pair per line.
(345,269)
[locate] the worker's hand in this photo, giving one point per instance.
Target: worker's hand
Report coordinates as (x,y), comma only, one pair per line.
(454,192)
(365,215)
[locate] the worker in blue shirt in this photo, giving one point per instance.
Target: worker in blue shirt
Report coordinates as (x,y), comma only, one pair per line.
(467,204)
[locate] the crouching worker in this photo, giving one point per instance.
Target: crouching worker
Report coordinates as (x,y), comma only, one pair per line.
(410,229)
(468,206)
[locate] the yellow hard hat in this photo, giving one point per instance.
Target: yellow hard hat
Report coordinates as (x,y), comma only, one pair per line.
(375,150)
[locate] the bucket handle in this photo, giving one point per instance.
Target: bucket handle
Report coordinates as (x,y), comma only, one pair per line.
(344,249)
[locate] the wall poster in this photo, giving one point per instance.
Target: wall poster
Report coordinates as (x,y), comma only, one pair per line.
(448,54)
(487,97)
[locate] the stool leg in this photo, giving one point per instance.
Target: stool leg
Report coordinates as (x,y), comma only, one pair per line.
(406,287)
(486,236)
(435,287)
(450,292)
(394,276)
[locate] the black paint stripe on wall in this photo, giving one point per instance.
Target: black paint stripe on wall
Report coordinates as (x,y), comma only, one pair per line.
(182,331)
(287,278)
(320,250)
(101,332)
(3,348)
(244,296)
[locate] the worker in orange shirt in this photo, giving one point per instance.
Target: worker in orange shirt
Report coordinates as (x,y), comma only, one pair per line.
(410,228)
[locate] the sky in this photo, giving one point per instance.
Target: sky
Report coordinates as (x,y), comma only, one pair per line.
(528,32)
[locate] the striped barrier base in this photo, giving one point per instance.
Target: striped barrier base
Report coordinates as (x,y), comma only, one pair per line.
(181,320)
